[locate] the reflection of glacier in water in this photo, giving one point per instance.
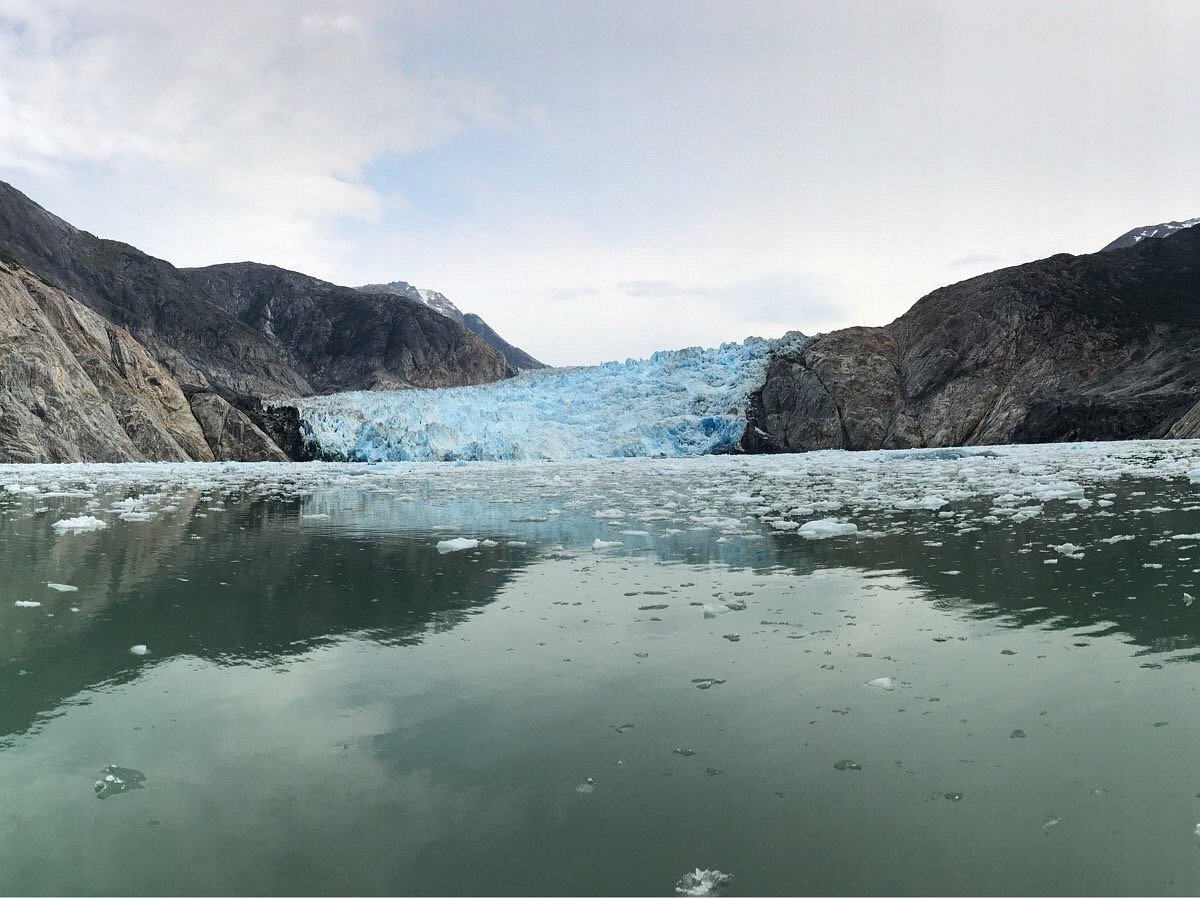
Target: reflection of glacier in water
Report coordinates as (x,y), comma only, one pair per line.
(676,403)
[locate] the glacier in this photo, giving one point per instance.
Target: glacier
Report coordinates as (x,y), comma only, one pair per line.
(677,403)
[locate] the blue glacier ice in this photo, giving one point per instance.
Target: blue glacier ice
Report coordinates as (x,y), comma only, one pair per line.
(676,403)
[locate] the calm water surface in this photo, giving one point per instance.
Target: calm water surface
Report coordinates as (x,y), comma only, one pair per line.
(328,704)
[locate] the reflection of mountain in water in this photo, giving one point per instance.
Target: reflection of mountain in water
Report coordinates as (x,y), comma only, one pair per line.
(257,587)
(1132,586)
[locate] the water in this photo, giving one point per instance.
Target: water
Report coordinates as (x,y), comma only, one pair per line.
(300,694)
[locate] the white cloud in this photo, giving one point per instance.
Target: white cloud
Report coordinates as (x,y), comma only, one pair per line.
(254,120)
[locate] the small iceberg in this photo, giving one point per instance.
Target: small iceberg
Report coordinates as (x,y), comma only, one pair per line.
(826,528)
(139,650)
(81,523)
(62,587)
(887,684)
(22,603)
(456,545)
(703,882)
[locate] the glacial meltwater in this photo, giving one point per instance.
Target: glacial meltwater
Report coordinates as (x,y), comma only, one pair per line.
(935,672)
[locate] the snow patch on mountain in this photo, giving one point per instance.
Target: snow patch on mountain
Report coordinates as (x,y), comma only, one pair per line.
(436,301)
(677,403)
(1137,235)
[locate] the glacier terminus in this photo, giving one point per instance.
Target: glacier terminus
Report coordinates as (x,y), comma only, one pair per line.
(677,403)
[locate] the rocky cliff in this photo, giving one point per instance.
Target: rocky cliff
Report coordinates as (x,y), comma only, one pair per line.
(75,387)
(1095,347)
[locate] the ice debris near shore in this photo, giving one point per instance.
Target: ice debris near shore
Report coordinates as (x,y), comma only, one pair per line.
(456,545)
(684,402)
(736,499)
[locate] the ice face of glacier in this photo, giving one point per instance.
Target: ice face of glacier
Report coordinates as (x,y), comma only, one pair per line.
(677,403)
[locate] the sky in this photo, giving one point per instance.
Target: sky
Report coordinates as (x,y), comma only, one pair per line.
(600,180)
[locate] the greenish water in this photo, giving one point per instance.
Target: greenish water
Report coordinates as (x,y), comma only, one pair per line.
(329,705)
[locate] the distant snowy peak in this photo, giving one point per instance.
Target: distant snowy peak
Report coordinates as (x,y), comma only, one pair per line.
(436,301)
(1137,235)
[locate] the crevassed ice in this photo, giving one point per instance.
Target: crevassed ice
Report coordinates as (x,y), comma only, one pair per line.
(679,403)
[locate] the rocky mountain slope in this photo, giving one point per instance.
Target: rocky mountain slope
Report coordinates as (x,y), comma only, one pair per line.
(225,338)
(518,358)
(1093,347)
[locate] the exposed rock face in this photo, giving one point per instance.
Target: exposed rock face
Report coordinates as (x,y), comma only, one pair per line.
(339,338)
(230,434)
(1094,347)
(74,387)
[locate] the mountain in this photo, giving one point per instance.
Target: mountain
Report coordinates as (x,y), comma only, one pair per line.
(518,358)
(227,336)
(1093,347)
(1137,235)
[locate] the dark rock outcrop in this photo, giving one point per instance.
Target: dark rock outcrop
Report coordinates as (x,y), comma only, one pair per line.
(230,434)
(1096,347)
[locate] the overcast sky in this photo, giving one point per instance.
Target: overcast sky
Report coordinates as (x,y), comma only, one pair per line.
(603,179)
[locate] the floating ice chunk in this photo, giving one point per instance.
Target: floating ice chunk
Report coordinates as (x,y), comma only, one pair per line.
(139,650)
(84,522)
(587,787)
(785,525)
(933,503)
(888,684)
(605,544)
(1062,489)
(22,603)
(1188,598)
(1070,550)
(703,882)
(712,609)
(318,516)
(137,516)
(117,780)
(456,545)
(1194,475)
(1186,536)
(826,528)
(62,587)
